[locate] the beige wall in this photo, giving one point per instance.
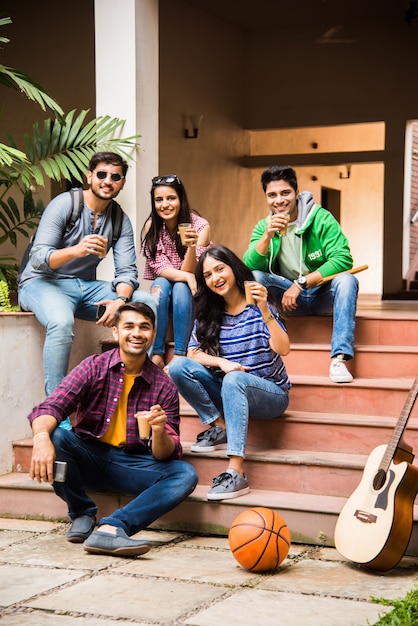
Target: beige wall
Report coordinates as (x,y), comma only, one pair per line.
(239,80)
(202,71)
(279,78)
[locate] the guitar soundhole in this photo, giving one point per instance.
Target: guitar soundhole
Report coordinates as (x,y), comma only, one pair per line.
(379,479)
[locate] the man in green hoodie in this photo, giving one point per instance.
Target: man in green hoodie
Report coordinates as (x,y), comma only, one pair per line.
(293,249)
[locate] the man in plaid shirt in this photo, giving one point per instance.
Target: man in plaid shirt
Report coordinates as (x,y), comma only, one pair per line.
(104,451)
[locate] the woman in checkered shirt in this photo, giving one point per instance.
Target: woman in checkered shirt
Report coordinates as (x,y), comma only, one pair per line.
(170,264)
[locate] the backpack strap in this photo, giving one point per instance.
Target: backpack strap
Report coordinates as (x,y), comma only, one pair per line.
(77,200)
(117,218)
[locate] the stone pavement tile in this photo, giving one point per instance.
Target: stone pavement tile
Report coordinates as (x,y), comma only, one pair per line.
(130,597)
(35,526)
(19,583)
(201,564)
(8,537)
(207,542)
(255,607)
(340,580)
(222,542)
(40,618)
(331,554)
(158,536)
(54,551)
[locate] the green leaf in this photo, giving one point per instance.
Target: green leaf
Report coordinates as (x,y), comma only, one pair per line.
(29,147)
(66,129)
(75,129)
(46,136)
(55,136)
(20,81)
(37,140)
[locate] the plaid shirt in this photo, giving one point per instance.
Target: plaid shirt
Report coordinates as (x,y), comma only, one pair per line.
(166,255)
(93,388)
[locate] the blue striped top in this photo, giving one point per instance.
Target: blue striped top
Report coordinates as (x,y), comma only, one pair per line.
(244,338)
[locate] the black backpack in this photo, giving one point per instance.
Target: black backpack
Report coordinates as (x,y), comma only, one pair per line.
(77,206)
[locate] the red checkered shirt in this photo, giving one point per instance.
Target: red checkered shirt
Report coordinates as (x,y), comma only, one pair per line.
(92,390)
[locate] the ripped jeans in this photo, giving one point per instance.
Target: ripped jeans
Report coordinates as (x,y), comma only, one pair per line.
(173,298)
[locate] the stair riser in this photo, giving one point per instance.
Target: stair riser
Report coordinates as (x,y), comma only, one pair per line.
(193,515)
(347,398)
(279,434)
(295,478)
(288,434)
(369,331)
(316,362)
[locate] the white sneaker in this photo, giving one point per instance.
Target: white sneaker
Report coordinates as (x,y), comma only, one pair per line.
(338,371)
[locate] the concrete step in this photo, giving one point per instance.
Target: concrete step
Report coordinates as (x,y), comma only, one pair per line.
(379,361)
(310,518)
(372,328)
(364,396)
(297,471)
(300,471)
(302,430)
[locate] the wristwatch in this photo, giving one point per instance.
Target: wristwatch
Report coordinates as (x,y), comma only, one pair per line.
(302,282)
(124,298)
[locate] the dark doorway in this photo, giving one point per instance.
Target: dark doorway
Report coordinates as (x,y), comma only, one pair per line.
(331,200)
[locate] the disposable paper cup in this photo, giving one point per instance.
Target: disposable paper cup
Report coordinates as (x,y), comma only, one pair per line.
(248,297)
(144,426)
(182,228)
(102,256)
(283,231)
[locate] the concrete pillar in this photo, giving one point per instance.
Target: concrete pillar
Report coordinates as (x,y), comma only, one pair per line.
(127,86)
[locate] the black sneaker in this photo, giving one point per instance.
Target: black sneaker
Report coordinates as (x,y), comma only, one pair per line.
(210,440)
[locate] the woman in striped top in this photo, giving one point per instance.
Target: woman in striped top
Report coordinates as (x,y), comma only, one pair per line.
(233,367)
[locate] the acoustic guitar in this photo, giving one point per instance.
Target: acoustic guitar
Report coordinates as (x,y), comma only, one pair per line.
(375,524)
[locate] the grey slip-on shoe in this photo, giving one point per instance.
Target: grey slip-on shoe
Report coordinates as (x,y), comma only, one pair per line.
(115,545)
(81,528)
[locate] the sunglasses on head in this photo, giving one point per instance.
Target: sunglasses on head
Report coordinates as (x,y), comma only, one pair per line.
(166,180)
(114,176)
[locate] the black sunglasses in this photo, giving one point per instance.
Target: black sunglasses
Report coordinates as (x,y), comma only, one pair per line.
(166,180)
(114,176)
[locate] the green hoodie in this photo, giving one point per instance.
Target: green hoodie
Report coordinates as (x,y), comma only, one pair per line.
(324,246)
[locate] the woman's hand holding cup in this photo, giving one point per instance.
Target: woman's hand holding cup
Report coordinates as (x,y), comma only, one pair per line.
(188,235)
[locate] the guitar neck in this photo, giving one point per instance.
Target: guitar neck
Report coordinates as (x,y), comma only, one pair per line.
(400,427)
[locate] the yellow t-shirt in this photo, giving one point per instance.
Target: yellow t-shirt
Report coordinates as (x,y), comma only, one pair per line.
(116,433)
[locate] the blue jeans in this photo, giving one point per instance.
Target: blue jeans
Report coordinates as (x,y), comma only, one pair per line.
(176,298)
(157,486)
(55,303)
(337,298)
(235,395)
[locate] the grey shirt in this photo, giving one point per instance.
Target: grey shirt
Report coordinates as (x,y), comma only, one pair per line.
(51,235)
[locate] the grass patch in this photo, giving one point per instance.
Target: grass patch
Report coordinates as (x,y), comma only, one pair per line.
(404,612)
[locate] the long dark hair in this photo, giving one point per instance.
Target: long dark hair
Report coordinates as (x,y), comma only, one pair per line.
(210,306)
(184,216)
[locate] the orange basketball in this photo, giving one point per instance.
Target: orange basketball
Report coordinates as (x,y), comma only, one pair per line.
(259,539)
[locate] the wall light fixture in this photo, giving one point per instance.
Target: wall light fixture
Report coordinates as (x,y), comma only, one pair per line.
(192,126)
(348,172)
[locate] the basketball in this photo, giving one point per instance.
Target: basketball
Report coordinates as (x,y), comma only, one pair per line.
(259,539)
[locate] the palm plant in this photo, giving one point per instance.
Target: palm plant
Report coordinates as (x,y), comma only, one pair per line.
(58,149)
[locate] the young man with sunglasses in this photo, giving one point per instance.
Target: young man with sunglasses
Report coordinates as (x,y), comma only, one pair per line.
(59,281)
